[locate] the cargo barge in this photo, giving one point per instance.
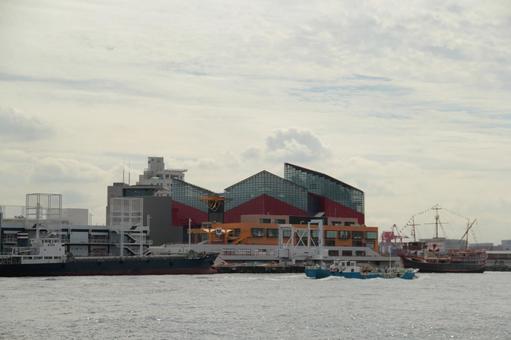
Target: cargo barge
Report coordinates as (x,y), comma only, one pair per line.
(48,258)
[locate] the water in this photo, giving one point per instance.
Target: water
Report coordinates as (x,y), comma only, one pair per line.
(258,306)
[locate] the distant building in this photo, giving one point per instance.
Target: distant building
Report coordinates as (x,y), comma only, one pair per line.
(486,245)
(506,244)
(75,216)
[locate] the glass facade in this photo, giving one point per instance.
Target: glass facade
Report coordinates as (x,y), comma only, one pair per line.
(325,185)
(267,183)
(190,194)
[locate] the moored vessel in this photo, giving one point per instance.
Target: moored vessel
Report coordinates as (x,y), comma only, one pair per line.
(433,256)
(351,270)
(454,261)
(47,257)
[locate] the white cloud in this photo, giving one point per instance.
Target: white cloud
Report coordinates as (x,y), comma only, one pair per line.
(15,126)
(61,170)
(294,146)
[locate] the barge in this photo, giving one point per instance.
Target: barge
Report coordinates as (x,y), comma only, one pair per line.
(47,257)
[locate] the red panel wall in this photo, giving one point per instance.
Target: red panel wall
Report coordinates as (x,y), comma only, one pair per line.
(263,205)
(182,212)
(334,209)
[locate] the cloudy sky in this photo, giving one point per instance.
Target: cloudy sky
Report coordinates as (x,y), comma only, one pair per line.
(409,101)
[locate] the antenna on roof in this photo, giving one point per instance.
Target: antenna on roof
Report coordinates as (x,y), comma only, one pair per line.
(129,173)
(123,174)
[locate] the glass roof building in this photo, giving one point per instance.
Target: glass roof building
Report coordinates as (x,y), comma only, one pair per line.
(190,195)
(266,183)
(300,195)
(326,186)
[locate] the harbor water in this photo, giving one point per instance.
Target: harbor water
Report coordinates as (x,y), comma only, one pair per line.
(256,306)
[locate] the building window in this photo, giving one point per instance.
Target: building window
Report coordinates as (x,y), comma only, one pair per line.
(330,243)
(331,234)
(360,253)
(347,253)
(358,235)
(280,221)
(344,235)
(257,232)
(286,233)
(272,233)
(371,235)
(265,220)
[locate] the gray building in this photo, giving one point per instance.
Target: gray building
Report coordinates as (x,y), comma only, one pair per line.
(156,211)
(158,216)
(485,245)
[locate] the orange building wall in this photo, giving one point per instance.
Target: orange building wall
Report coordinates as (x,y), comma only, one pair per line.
(245,234)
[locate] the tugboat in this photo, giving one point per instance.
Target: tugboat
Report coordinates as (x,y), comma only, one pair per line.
(350,270)
(429,257)
(47,257)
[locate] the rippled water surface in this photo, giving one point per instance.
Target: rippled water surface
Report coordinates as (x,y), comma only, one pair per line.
(258,306)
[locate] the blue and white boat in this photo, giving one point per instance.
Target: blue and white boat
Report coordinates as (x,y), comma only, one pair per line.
(350,270)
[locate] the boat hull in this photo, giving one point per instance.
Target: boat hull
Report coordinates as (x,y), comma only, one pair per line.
(114,266)
(317,273)
(448,267)
(359,275)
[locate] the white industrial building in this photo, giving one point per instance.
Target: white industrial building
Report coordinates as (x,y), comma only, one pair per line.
(43,214)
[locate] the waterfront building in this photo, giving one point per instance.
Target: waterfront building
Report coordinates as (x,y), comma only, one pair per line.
(297,197)
(43,215)
(266,232)
(327,194)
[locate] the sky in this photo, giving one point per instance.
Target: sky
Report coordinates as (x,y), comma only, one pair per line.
(408,101)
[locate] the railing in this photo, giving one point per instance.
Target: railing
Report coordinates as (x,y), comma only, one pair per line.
(99,240)
(10,259)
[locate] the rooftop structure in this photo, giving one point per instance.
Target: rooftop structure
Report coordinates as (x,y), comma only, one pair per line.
(157,175)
